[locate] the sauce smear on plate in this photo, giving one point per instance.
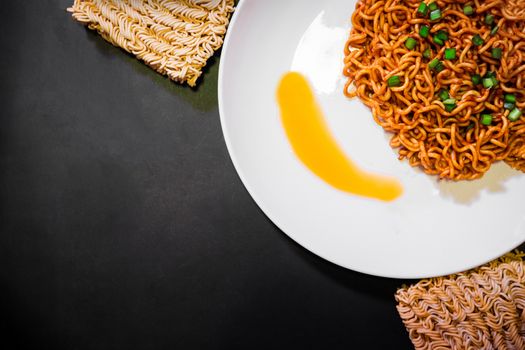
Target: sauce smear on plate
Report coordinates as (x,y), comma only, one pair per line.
(312,142)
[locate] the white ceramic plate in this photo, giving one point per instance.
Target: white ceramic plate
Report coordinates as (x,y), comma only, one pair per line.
(435,228)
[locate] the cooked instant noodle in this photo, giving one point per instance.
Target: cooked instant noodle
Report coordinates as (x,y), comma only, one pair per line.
(447,78)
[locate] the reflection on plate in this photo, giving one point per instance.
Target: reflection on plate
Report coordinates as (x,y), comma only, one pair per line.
(435,228)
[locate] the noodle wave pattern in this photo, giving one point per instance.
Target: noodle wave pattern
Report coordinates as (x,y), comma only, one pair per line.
(479,309)
(450,143)
(174,37)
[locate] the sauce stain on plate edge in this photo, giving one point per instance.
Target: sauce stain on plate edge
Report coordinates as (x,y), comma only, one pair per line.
(313,144)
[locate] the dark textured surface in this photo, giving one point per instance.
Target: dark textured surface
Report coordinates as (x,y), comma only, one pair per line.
(124,225)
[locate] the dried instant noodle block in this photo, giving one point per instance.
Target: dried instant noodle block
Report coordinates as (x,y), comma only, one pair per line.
(479,309)
(174,37)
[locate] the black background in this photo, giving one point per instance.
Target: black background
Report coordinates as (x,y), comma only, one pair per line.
(124,224)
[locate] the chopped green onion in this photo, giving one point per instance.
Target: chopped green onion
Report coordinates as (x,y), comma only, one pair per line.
(439,67)
(435,15)
(443,35)
(509,105)
(510,98)
(488,83)
(422,10)
(434,63)
(514,115)
(489,19)
(468,10)
(443,94)
(410,43)
(394,81)
(496,53)
(438,41)
(423,31)
(486,119)
(477,40)
(427,53)
(492,77)
(450,54)
(450,104)
(433,6)
(476,79)
(494,30)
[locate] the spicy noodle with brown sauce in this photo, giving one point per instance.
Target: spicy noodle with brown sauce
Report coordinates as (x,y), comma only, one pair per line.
(446,77)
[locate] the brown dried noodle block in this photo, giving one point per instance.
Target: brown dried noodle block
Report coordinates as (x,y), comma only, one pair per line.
(478,309)
(174,37)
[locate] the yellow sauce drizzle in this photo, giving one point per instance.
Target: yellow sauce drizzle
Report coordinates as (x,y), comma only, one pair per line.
(311,141)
